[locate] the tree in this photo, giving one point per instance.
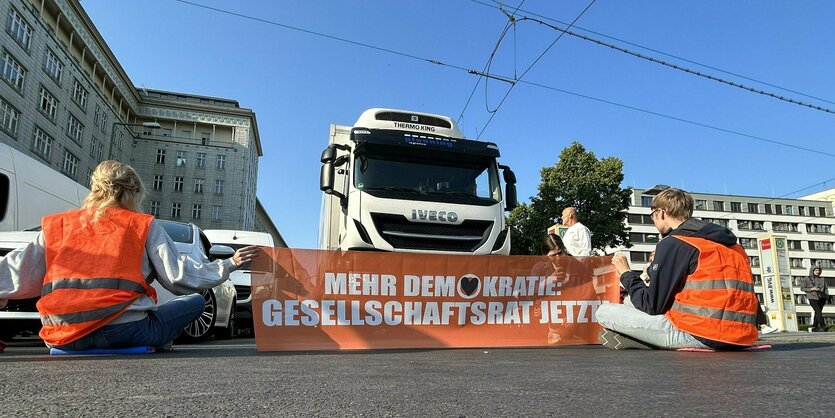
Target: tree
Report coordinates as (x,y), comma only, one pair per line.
(580,180)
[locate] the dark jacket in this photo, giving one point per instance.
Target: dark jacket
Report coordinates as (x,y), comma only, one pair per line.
(811,281)
(674,261)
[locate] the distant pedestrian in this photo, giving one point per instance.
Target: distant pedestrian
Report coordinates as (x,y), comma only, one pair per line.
(577,238)
(816,291)
(93,267)
(701,289)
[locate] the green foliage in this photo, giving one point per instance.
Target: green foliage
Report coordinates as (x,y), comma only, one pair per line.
(580,180)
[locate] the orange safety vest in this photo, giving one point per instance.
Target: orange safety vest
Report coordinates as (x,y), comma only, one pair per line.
(717,301)
(93,271)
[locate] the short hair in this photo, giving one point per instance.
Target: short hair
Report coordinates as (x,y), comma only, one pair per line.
(676,202)
(114,184)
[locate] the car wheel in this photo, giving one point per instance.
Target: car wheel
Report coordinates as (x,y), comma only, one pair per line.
(202,326)
(229,331)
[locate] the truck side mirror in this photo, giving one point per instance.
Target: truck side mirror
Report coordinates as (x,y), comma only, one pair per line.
(326,182)
(328,154)
(510,188)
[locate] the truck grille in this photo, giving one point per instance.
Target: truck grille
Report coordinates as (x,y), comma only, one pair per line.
(400,233)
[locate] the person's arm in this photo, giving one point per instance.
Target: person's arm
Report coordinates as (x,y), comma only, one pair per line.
(22,271)
(806,285)
(179,273)
(584,242)
(674,260)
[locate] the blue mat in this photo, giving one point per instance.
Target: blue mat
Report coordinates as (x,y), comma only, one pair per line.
(125,350)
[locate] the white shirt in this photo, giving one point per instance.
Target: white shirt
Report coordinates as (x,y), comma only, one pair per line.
(577,240)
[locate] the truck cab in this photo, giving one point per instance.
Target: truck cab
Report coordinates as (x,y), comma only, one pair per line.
(408,181)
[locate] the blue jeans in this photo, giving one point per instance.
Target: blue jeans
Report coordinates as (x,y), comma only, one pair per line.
(654,329)
(157,329)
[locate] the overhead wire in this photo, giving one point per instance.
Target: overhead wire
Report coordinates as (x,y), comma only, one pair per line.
(530,13)
(508,79)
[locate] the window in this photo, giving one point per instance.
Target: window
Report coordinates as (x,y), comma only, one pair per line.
(157,182)
(8,118)
(796,263)
(802,211)
(827,264)
(175,210)
(778,209)
(181,159)
(201,160)
(748,242)
(103,124)
(79,94)
(639,256)
(155,208)
(718,205)
(97,115)
(797,280)
(749,225)
(736,207)
(70,165)
(13,72)
(818,229)
(167,132)
(89,177)
(160,156)
(195,211)
(178,183)
(784,226)
(646,201)
(19,29)
(789,210)
(820,246)
(767,207)
(221,162)
(822,212)
(753,208)
(755,261)
(99,155)
(53,66)
(186,133)
(216,212)
(638,237)
(198,186)
(701,204)
(758,279)
(720,222)
(205,137)
(638,219)
(801,300)
(74,128)
(218,186)
(48,104)
(794,245)
(41,143)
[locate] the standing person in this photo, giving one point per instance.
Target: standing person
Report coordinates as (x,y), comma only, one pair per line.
(577,238)
(815,287)
(92,268)
(701,289)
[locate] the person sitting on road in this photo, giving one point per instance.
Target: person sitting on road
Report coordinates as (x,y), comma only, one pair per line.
(700,293)
(92,268)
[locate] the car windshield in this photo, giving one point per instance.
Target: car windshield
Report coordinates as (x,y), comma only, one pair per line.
(179,232)
(476,179)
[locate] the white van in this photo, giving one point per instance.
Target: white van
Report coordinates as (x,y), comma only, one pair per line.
(30,189)
(241,278)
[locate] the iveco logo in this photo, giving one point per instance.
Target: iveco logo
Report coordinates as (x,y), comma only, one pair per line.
(434,215)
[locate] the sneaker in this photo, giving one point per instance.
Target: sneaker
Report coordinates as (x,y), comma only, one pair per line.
(765,329)
(617,341)
(165,348)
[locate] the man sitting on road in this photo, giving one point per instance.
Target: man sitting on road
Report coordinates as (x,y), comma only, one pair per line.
(700,293)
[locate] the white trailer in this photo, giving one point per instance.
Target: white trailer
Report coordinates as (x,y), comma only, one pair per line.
(407,181)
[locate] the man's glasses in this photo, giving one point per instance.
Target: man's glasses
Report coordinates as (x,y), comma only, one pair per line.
(651,214)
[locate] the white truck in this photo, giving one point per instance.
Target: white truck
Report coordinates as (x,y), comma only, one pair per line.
(407,181)
(30,189)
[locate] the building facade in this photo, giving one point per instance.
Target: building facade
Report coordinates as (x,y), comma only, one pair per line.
(807,223)
(66,101)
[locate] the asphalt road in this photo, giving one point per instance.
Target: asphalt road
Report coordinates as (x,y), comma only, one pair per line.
(232,378)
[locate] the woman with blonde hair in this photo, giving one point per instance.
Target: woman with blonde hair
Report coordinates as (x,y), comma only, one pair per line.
(93,268)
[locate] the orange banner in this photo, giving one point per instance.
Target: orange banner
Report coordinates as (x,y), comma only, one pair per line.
(332,300)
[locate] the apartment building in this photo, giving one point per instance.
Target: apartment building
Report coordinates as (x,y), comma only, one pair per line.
(808,223)
(66,101)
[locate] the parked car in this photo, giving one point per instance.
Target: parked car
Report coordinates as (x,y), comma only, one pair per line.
(241,278)
(21,316)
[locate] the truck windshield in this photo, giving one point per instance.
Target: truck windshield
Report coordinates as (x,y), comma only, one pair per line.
(475,179)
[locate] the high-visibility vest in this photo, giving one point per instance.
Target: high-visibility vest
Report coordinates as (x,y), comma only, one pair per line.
(93,271)
(717,301)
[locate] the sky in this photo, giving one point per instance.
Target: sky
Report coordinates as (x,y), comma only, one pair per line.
(667,126)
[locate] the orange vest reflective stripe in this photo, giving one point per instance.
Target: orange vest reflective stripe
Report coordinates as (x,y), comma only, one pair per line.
(717,301)
(93,271)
